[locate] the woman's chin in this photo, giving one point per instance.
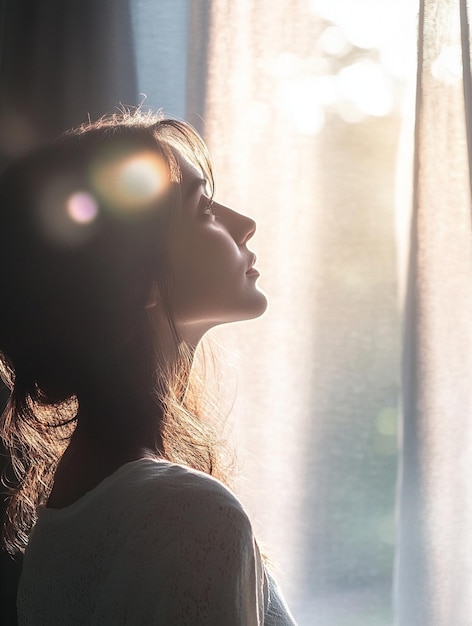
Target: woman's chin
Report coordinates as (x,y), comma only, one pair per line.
(263,303)
(256,307)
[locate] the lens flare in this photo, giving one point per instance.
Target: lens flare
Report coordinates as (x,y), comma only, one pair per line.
(368,86)
(334,42)
(82,208)
(66,213)
(130,183)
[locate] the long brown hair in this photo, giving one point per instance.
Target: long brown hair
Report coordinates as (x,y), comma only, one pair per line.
(73,317)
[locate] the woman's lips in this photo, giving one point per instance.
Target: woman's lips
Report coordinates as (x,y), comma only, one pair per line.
(252,272)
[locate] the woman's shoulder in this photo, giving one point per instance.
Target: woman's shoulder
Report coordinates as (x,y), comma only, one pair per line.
(193,533)
(157,489)
(179,512)
(182,491)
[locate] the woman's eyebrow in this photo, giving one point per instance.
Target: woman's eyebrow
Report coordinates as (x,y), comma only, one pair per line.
(194,186)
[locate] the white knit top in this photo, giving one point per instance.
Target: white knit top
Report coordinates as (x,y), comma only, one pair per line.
(154,543)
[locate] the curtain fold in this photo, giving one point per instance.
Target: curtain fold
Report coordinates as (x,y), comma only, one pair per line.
(434,558)
(61,61)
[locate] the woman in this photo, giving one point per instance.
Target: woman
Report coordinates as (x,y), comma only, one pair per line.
(118,261)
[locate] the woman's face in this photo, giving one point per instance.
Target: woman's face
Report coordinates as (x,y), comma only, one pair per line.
(213,279)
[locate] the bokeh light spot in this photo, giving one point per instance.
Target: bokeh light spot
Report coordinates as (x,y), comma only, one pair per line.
(17,133)
(82,207)
(66,213)
(387,421)
(384,437)
(333,41)
(368,86)
(302,98)
(448,66)
(130,183)
(140,178)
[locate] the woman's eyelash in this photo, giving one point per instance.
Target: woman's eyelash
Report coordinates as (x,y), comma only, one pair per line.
(208,210)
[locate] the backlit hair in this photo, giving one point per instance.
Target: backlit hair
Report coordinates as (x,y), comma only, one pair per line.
(79,257)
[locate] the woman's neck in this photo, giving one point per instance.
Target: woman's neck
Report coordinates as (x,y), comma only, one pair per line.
(119,421)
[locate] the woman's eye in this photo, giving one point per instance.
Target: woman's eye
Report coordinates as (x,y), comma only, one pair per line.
(208,209)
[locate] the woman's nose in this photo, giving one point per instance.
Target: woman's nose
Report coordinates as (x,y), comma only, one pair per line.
(241,227)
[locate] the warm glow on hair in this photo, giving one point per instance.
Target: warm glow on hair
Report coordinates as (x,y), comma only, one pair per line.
(96,202)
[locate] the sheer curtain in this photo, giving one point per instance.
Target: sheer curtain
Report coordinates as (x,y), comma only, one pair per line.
(434,573)
(315,412)
(301,105)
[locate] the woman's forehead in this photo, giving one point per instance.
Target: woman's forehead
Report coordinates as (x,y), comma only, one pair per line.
(192,176)
(191,160)
(190,171)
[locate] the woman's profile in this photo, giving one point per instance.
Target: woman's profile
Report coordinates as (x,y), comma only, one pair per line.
(117,260)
